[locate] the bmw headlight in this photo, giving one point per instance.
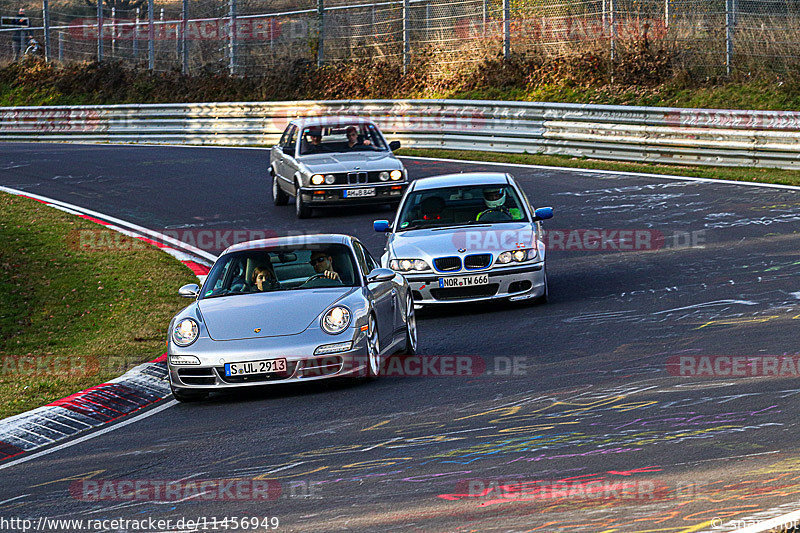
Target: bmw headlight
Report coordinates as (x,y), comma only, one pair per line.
(185,332)
(336,320)
(383,176)
(329,179)
(407,265)
(516,256)
(317,179)
(396,175)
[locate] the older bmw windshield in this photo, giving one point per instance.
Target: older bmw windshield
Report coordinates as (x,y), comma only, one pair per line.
(461,206)
(282,269)
(338,138)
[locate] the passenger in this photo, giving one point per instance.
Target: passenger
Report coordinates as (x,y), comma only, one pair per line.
(431,208)
(263,279)
(354,140)
(323,265)
(496,210)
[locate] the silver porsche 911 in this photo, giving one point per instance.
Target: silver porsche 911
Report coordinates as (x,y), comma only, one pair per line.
(468,237)
(335,161)
(287,310)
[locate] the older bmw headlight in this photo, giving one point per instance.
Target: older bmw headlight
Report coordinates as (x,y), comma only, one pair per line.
(317,179)
(407,265)
(336,320)
(396,175)
(383,176)
(329,179)
(516,256)
(185,332)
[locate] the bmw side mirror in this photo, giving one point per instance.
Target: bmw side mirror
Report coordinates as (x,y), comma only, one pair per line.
(382,226)
(380,274)
(543,213)
(394,145)
(189,291)
(288,150)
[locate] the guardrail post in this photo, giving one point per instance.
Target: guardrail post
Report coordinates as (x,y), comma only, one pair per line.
(46,24)
(151,35)
(99,30)
(406,36)
(113,32)
(136,36)
(320,32)
(506,28)
(184,42)
(232,40)
(730,6)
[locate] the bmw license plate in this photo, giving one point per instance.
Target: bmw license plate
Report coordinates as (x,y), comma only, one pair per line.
(359,193)
(463,281)
(255,367)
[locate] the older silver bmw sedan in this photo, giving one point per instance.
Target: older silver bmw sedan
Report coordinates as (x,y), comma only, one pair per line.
(329,161)
(286,310)
(468,237)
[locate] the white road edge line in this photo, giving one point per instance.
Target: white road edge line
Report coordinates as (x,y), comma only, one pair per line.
(612,172)
(475,162)
(109,218)
(780,521)
(103,431)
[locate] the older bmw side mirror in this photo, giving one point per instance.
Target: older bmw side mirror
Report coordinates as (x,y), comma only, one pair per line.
(381,226)
(380,274)
(189,291)
(288,150)
(543,213)
(394,145)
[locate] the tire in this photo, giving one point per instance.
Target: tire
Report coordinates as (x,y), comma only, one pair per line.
(411,327)
(185,396)
(544,297)
(301,209)
(279,196)
(373,349)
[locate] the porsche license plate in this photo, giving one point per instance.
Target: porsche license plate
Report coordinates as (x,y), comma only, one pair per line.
(463,281)
(255,367)
(359,193)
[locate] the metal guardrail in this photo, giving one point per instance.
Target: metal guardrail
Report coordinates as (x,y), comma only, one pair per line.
(768,139)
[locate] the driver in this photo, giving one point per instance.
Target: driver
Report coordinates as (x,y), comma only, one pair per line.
(323,265)
(496,210)
(314,141)
(354,141)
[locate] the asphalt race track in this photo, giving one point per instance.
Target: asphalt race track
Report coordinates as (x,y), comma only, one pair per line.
(563,398)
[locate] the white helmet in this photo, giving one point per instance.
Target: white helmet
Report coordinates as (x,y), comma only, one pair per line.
(494,197)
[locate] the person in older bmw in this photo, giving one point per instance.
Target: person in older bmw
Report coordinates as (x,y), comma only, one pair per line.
(323,265)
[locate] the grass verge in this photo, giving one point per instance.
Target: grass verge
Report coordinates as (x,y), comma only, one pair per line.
(73,316)
(760,175)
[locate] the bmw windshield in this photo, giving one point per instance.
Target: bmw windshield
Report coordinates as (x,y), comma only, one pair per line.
(461,206)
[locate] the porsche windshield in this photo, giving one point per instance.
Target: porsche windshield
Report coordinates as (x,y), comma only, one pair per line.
(460,206)
(338,138)
(282,269)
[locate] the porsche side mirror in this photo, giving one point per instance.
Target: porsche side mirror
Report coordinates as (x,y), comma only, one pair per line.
(380,274)
(543,213)
(382,226)
(189,291)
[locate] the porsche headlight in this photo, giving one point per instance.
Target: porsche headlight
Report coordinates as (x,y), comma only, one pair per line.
(317,179)
(383,176)
(185,332)
(329,179)
(407,265)
(336,320)
(516,256)
(396,175)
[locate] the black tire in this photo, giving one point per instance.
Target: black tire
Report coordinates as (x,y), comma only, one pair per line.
(411,328)
(185,396)
(279,196)
(301,209)
(544,297)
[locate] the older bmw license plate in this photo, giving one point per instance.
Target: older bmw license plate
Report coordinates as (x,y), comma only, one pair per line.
(463,281)
(359,193)
(255,367)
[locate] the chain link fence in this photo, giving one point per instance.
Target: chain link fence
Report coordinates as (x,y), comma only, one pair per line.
(244,38)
